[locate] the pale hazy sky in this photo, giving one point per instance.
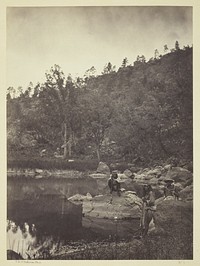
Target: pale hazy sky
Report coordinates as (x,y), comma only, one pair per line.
(77,38)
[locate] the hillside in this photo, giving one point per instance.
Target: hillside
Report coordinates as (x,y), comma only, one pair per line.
(141,112)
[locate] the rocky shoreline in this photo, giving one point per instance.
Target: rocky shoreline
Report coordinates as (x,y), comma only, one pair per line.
(41,173)
(130,181)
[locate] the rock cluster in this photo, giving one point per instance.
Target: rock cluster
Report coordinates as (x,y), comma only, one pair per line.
(156,177)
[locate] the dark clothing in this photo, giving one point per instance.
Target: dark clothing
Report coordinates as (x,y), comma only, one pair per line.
(149,198)
(171,190)
(114,185)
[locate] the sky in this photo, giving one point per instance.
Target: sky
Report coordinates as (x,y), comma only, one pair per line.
(77,38)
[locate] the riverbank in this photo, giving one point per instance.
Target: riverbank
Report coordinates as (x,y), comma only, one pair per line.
(43,173)
(172,239)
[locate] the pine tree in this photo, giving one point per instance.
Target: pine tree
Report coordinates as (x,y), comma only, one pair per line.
(156,54)
(124,62)
(177,46)
(108,68)
(165,48)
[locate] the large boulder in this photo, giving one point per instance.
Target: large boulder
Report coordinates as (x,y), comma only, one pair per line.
(122,177)
(189,166)
(143,171)
(178,186)
(128,173)
(187,193)
(172,238)
(127,206)
(134,169)
(179,174)
(188,183)
(148,174)
(153,181)
(154,172)
(168,167)
(173,214)
(103,168)
(161,178)
(148,177)
(139,177)
(132,199)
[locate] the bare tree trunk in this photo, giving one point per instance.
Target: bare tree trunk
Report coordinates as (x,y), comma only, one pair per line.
(162,145)
(70,145)
(98,153)
(65,141)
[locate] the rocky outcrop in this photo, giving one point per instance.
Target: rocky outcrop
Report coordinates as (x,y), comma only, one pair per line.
(148,174)
(128,173)
(127,206)
(172,214)
(179,174)
(157,176)
(103,168)
(187,193)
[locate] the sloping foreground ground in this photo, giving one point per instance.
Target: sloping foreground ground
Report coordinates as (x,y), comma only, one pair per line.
(172,239)
(173,236)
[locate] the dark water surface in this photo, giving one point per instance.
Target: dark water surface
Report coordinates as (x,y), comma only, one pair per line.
(43,202)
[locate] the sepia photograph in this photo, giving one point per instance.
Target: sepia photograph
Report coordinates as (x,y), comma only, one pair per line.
(99,117)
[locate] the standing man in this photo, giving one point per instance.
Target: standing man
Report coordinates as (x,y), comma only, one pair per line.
(149,208)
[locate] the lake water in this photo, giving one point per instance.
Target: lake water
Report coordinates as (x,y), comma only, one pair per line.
(43,202)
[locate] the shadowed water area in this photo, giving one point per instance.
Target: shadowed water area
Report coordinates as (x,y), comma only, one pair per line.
(43,202)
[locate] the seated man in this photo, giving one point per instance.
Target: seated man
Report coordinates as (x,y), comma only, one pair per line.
(114,184)
(169,189)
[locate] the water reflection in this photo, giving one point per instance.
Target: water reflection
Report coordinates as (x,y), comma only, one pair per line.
(21,187)
(21,240)
(44,218)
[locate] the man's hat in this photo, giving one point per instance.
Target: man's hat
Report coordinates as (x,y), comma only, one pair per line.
(169,180)
(114,172)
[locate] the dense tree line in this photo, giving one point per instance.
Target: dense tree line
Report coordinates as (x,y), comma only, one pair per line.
(142,111)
